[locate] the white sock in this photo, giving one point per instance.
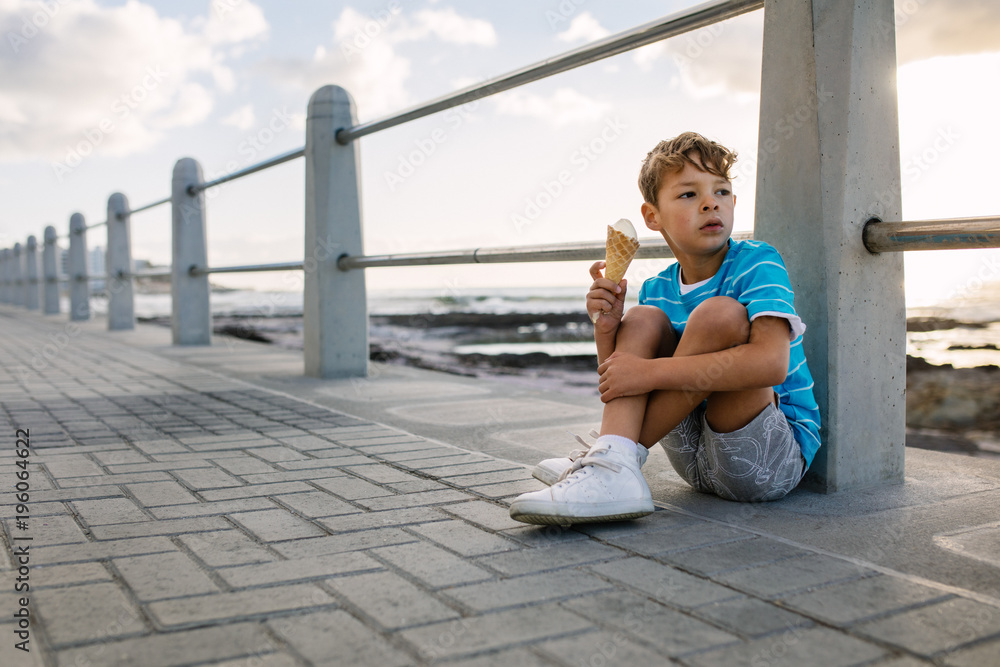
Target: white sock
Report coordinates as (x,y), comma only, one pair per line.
(622,443)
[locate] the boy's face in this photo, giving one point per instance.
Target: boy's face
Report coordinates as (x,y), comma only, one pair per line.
(693,212)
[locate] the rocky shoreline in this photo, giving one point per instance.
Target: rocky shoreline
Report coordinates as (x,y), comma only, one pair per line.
(948,408)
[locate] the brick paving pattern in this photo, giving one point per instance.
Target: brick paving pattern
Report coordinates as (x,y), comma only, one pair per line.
(178,517)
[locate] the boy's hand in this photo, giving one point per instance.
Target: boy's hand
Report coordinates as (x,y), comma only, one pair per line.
(623,374)
(606,299)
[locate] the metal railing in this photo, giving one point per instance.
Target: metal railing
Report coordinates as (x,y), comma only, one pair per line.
(947,234)
(652,248)
(252,169)
(146,207)
(668,26)
(671,25)
(879,236)
(248,268)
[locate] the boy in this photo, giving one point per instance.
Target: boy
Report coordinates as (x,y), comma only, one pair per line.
(710,364)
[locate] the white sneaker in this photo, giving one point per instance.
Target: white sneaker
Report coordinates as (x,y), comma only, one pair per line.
(604,485)
(550,471)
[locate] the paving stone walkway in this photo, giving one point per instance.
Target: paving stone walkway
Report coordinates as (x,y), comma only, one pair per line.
(179,517)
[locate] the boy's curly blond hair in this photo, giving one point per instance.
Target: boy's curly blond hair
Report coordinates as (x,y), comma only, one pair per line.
(670,156)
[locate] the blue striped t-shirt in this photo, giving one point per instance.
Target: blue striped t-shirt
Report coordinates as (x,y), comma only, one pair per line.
(754,274)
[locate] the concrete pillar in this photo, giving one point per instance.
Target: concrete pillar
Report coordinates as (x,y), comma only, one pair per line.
(79,285)
(17,275)
(335,309)
(4,276)
(31,274)
(50,273)
(828,160)
(8,274)
(121,309)
(191,316)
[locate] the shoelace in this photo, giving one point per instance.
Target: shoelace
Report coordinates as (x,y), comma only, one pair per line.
(580,453)
(585,460)
(576,453)
(588,461)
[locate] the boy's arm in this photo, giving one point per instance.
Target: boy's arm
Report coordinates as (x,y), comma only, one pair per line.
(761,362)
(605,345)
(608,301)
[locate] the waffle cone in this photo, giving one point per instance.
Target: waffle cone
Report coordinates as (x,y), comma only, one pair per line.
(620,251)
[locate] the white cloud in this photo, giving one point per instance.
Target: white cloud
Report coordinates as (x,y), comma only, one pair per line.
(448,26)
(563,107)
(583,28)
(725,57)
(242,119)
(364,60)
(926,29)
(233,22)
(84,78)
(192,105)
(366,65)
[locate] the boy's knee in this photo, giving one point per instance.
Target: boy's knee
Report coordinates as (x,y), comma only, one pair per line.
(724,317)
(648,319)
(648,324)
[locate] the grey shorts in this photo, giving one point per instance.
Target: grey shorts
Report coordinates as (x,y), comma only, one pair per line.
(761,461)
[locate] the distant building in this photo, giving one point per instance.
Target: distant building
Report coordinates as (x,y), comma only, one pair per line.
(96,258)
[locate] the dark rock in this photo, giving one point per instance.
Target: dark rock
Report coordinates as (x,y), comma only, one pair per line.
(940,324)
(241,331)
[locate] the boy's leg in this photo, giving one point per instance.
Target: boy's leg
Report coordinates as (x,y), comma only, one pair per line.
(606,483)
(646,332)
(740,445)
(719,323)
(759,462)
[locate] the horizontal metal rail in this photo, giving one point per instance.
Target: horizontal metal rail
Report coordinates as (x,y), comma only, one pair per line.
(948,234)
(252,169)
(149,206)
(678,23)
(250,268)
(153,273)
(565,252)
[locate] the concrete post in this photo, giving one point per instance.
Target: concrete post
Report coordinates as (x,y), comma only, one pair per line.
(50,273)
(335,309)
(828,160)
(6,293)
(4,276)
(11,276)
(8,275)
(79,285)
(121,309)
(31,274)
(17,275)
(191,316)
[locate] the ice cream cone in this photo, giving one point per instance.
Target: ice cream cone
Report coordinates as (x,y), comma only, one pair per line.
(621,248)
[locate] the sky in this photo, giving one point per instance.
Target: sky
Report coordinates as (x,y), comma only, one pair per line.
(98,96)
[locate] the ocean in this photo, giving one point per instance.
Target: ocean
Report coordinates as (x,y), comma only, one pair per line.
(964,333)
